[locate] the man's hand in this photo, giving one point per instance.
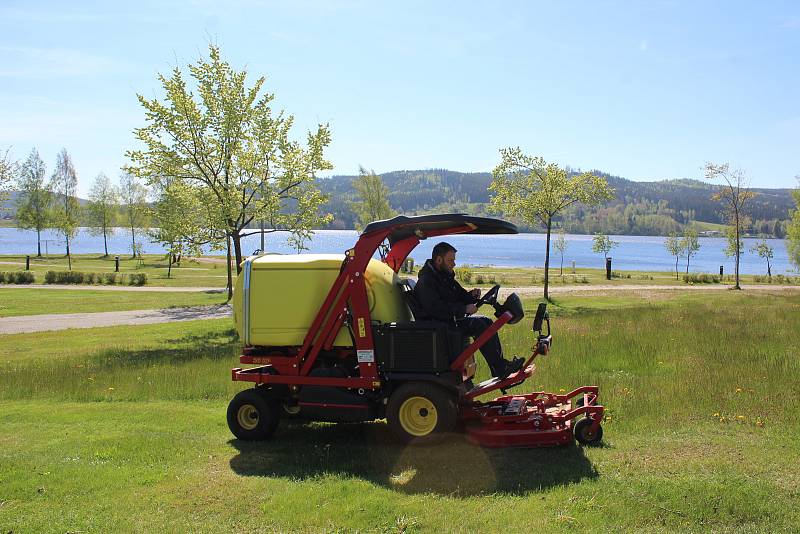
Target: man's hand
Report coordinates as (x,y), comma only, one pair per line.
(471,308)
(475,293)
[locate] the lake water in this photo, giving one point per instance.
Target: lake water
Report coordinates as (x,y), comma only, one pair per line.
(641,253)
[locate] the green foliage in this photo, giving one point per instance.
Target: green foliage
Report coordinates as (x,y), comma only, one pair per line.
(133,195)
(690,244)
(639,208)
(675,248)
(703,278)
(464,274)
(17,277)
(222,137)
(733,246)
(8,169)
(76,277)
(602,244)
(64,184)
(764,251)
(35,200)
(180,214)
(372,202)
(535,191)
(793,231)
(102,208)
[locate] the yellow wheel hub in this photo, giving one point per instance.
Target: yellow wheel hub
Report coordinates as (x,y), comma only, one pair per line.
(247,416)
(418,416)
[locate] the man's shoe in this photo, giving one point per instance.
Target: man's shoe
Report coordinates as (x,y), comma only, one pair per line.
(511,367)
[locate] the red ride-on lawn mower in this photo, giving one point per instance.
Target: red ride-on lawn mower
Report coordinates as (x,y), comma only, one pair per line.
(358,355)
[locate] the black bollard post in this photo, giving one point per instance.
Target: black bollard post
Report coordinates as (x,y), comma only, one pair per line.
(27,263)
(720,270)
(116,264)
(608,268)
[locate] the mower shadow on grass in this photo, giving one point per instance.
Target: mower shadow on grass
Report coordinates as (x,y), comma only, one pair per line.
(369,451)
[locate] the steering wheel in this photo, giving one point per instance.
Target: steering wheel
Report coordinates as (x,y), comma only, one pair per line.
(490,297)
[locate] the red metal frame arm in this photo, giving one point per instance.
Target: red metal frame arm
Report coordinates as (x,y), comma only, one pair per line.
(480,340)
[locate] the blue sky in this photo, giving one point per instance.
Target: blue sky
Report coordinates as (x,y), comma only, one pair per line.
(643,90)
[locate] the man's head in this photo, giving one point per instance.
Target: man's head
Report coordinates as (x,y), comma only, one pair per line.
(444,257)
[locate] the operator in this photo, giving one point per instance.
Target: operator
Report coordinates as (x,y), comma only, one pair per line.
(443,299)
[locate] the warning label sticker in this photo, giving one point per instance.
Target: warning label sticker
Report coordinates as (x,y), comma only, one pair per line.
(366,356)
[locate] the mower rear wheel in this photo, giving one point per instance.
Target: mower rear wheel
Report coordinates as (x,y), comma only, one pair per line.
(583,432)
(421,413)
(253,416)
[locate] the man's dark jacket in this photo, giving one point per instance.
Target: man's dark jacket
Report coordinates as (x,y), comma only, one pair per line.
(441,297)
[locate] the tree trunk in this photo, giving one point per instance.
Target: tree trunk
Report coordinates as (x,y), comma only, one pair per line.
(769,270)
(561,270)
(736,278)
(676,266)
(237,249)
(547,260)
(133,241)
(687,263)
(105,241)
(69,258)
(230,274)
(38,243)
(169,265)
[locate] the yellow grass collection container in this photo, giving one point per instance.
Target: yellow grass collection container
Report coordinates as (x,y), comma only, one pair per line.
(277,297)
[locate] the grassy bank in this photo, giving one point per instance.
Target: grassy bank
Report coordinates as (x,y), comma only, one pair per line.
(124,429)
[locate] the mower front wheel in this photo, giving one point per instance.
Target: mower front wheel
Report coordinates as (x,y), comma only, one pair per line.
(253,416)
(421,413)
(583,432)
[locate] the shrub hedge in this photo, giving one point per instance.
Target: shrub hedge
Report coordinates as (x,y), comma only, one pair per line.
(75,277)
(17,277)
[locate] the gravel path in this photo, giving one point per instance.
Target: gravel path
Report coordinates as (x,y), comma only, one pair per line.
(63,321)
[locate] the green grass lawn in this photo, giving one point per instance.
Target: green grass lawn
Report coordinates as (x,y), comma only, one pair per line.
(33,301)
(123,429)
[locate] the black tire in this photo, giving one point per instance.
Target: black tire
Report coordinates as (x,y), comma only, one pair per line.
(584,434)
(252,415)
(421,413)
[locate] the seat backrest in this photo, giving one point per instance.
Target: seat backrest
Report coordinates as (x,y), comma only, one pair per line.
(407,288)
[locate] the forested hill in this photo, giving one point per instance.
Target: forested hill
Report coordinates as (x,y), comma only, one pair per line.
(639,208)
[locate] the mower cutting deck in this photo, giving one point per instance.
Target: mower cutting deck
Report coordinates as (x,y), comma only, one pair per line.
(358,355)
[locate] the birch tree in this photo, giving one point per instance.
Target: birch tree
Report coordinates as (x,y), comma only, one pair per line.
(372,202)
(793,229)
(766,252)
(560,244)
(35,200)
(102,208)
(675,248)
(734,196)
(690,244)
(8,169)
(217,133)
(64,184)
(133,197)
(536,191)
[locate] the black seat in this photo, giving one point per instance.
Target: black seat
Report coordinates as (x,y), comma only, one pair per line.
(407,287)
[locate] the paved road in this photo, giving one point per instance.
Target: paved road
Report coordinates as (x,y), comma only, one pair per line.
(63,321)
